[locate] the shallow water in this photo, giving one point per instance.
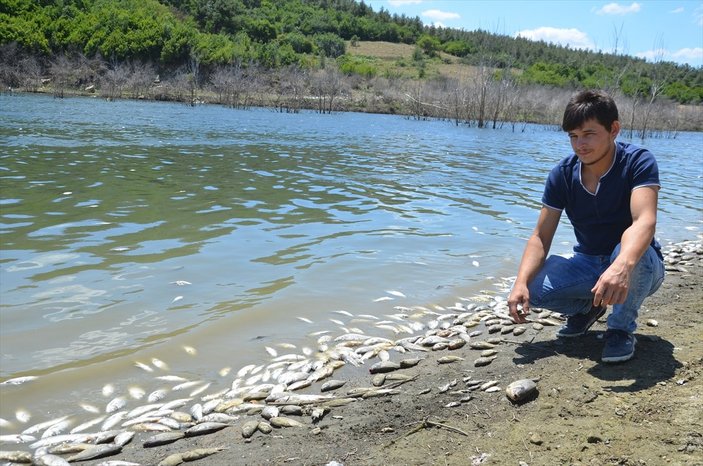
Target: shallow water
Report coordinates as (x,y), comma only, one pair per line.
(139,230)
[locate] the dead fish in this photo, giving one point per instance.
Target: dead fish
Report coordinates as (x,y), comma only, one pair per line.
(16,456)
(172,378)
(284,422)
(449,359)
(318,413)
(42,425)
(200,453)
(456,344)
(264,427)
(409,362)
(23,416)
(163,439)
(378,380)
(95,452)
(136,392)
(486,385)
(113,420)
(518,330)
(141,410)
(123,438)
(205,428)
(492,389)
(482,345)
(106,436)
(67,448)
(19,380)
(118,463)
(484,361)
(186,385)
(50,460)
(270,411)
(87,425)
(489,352)
(172,460)
(374,393)
(143,366)
(150,427)
(332,385)
(384,366)
(292,410)
(218,417)
(57,428)
(520,389)
(156,395)
(116,404)
(65,438)
(249,427)
(321,373)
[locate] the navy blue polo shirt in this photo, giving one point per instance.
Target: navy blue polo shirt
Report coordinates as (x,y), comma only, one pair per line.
(600,219)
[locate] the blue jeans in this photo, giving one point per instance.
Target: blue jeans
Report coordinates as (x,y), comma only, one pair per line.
(564,285)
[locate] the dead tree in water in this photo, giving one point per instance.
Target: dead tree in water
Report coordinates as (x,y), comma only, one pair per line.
(61,70)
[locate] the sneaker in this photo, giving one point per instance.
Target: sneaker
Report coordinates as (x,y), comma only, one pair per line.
(579,324)
(619,346)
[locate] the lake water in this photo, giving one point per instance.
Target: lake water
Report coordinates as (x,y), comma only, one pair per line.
(197,237)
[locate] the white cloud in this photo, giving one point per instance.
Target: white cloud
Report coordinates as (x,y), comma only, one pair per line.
(698,15)
(572,37)
(677,10)
(404,2)
(439,15)
(689,53)
(617,9)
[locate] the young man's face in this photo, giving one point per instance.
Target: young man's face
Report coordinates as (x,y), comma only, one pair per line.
(592,142)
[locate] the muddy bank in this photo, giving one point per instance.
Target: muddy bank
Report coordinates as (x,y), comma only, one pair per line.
(642,412)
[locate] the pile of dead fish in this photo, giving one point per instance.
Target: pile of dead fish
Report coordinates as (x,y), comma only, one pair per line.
(266,397)
(270,396)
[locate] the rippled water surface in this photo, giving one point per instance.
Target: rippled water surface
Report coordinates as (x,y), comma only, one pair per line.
(133,230)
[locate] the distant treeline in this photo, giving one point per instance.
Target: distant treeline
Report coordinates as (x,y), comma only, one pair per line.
(292,54)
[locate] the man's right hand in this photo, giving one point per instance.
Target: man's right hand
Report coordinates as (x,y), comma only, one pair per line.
(519,304)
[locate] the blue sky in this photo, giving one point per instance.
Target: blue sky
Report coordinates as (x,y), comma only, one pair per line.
(670,30)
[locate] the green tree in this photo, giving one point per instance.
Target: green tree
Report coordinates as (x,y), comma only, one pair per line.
(330,45)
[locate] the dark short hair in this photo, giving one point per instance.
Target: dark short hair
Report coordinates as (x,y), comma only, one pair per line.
(589,104)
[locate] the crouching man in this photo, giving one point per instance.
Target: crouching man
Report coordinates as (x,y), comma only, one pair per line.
(609,192)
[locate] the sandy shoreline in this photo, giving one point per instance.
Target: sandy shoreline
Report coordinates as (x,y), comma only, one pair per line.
(639,412)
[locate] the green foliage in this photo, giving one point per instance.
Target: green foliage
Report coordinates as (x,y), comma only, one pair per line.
(458,48)
(684,94)
(429,44)
(214,49)
(549,74)
(417,54)
(330,45)
(299,42)
(282,32)
(354,64)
